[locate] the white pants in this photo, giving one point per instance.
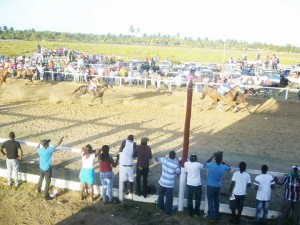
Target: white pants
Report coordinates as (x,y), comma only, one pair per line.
(127,173)
(12,166)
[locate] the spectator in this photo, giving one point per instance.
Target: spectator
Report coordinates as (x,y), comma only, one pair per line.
(291,182)
(87,174)
(193,169)
(170,168)
(143,154)
(126,162)
(239,182)
(215,173)
(263,185)
(13,153)
(45,153)
(106,173)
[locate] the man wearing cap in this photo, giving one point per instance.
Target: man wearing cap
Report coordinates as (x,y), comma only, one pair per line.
(143,154)
(45,152)
(291,182)
(193,169)
(13,153)
(126,161)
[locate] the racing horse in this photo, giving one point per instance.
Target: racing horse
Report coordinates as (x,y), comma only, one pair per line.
(3,75)
(229,98)
(242,98)
(98,93)
(22,73)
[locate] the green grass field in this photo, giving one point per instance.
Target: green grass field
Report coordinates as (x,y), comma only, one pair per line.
(175,54)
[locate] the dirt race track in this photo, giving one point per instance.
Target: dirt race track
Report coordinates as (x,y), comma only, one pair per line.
(268,135)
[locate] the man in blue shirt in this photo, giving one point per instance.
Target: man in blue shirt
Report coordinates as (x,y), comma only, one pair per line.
(45,152)
(215,173)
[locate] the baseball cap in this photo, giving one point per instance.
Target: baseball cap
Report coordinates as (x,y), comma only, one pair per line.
(144,139)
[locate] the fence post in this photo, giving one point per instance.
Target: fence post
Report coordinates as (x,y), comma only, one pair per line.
(205,200)
(120,178)
(181,189)
(286,93)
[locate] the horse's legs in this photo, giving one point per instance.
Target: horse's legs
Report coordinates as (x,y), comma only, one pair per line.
(94,99)
(76,96)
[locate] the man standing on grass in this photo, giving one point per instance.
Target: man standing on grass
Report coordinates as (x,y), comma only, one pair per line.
(263,185)
(143,154)
(14,154)
(215,173)
(239,183)
(291,200)
(45,152)
(170,168)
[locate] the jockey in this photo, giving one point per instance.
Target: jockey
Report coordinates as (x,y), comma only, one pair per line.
(93,85)
(224,88)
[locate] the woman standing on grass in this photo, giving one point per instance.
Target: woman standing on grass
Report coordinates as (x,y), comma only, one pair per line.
(106,173)
(87,175)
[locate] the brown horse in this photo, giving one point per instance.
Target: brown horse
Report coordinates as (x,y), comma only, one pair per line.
(229,98)
(242,98)
(98,93)
(3,75)
(22,73)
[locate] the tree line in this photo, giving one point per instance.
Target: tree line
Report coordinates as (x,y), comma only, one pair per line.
(135,38)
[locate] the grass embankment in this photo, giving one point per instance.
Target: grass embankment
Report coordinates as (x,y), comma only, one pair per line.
(175,54)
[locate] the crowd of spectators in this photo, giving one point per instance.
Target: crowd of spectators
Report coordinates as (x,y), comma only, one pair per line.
(171,168)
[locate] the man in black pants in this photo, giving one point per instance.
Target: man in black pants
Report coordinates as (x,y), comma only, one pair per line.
(143,154)
(13,153)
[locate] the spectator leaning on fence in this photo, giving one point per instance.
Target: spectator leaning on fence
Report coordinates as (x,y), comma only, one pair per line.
(144,155)
(193,169)
(170,168)
(263,185)
(291,200)
(45,152)
(215,173)
(87,174)
(106,173)
(13,153)
(126,162)
(239,183)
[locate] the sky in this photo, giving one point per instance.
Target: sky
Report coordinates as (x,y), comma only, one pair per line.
(265,21)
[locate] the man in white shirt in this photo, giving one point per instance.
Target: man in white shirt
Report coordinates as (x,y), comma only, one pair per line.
(193,169)
(263,185)
(239,183)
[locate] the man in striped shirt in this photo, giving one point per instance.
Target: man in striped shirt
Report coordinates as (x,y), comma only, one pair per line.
(291,182)
(170,168)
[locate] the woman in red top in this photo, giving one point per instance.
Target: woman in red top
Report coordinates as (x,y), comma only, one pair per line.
(106,173)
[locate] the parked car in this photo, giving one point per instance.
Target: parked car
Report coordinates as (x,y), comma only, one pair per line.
(213,67)
(174,77)
(273,76)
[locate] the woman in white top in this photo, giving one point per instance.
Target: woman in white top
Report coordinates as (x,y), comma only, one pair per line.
(87,175)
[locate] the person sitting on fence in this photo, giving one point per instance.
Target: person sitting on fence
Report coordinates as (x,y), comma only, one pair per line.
(224,88)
